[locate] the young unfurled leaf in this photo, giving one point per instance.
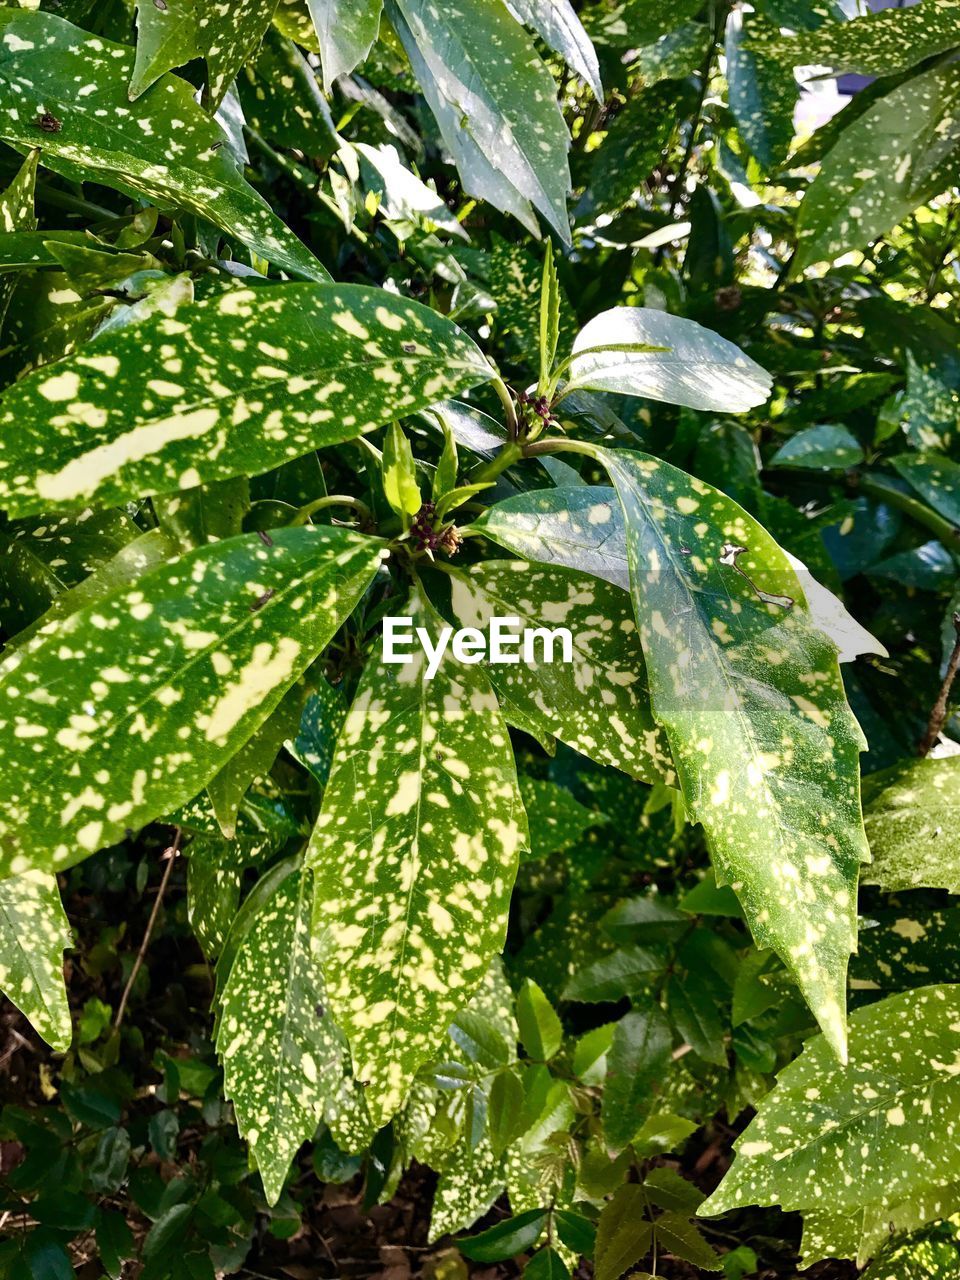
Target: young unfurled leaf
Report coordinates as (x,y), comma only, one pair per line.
(693,366)
(415,853)
(613,725)
(163,146)
(797,1150)
(445,476)
(159,684)
(495,103)
(284,1061)
(578,526)
(750,696)
(34,933)
(549,318)
(912,819)
(242,382)
(399,474)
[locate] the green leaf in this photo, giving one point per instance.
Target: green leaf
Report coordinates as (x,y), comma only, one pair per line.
(904,947)
(200,650)
(284,1061)
(763,91)
(207,513)
(580,527)
(557,820)
(404,198)
(827,446)
(318,364)
(636,1064)
(612,726)
(625,972)
(930,407)
(889,1110)
(876,44)
(546,1265)
(549,318)
(696,1016)
(399,474)
(624,1235)
(507,1238)
(668,1190)
(282,101)
(541,1032)
(504,1110)
(896,156)
(636,138)
(18,221)
(693,366)
(495,104)
(415,852)
(104,138)
(912,820)
(321,722)
(178,31)
(34,933)
(445,476)
(750,695)
(935,478)
(114,1242)
(346,33)
(558,26)
(675,1233)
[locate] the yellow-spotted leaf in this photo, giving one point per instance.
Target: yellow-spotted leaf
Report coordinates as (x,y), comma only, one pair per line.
(345,33)
(415,854)
(177,31)
(285,1064)
(125,709)
(236,385)
(596,701)
(879,1131)
(749,692)
(163,146)
(912,815)
(34,933)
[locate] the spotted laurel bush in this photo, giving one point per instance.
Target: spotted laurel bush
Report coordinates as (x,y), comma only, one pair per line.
(319,315)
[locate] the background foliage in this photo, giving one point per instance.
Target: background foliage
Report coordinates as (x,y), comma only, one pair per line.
(316,312)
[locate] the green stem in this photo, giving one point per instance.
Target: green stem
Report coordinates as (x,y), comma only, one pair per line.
(944,529)
(510,453)
(509,408)
(333,500)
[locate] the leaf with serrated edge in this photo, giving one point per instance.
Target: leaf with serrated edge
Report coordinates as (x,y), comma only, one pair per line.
(34,933)
(894,1105)
(750,695)
(346,33)
(174,33)
(49,65)
(159,684)
(241,383)
(597,703)
(495,102)
(284,1062)
(415,851)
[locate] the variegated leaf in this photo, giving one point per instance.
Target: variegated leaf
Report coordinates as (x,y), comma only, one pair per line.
(415,853)
(163,146)
(176,32)
(749,693)
(597,703)
(125,709)
(34,933)
(878,1131)
(236,385)
(346,33)
(285,1063)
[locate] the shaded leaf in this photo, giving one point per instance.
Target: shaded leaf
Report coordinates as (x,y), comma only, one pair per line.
(34,933)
